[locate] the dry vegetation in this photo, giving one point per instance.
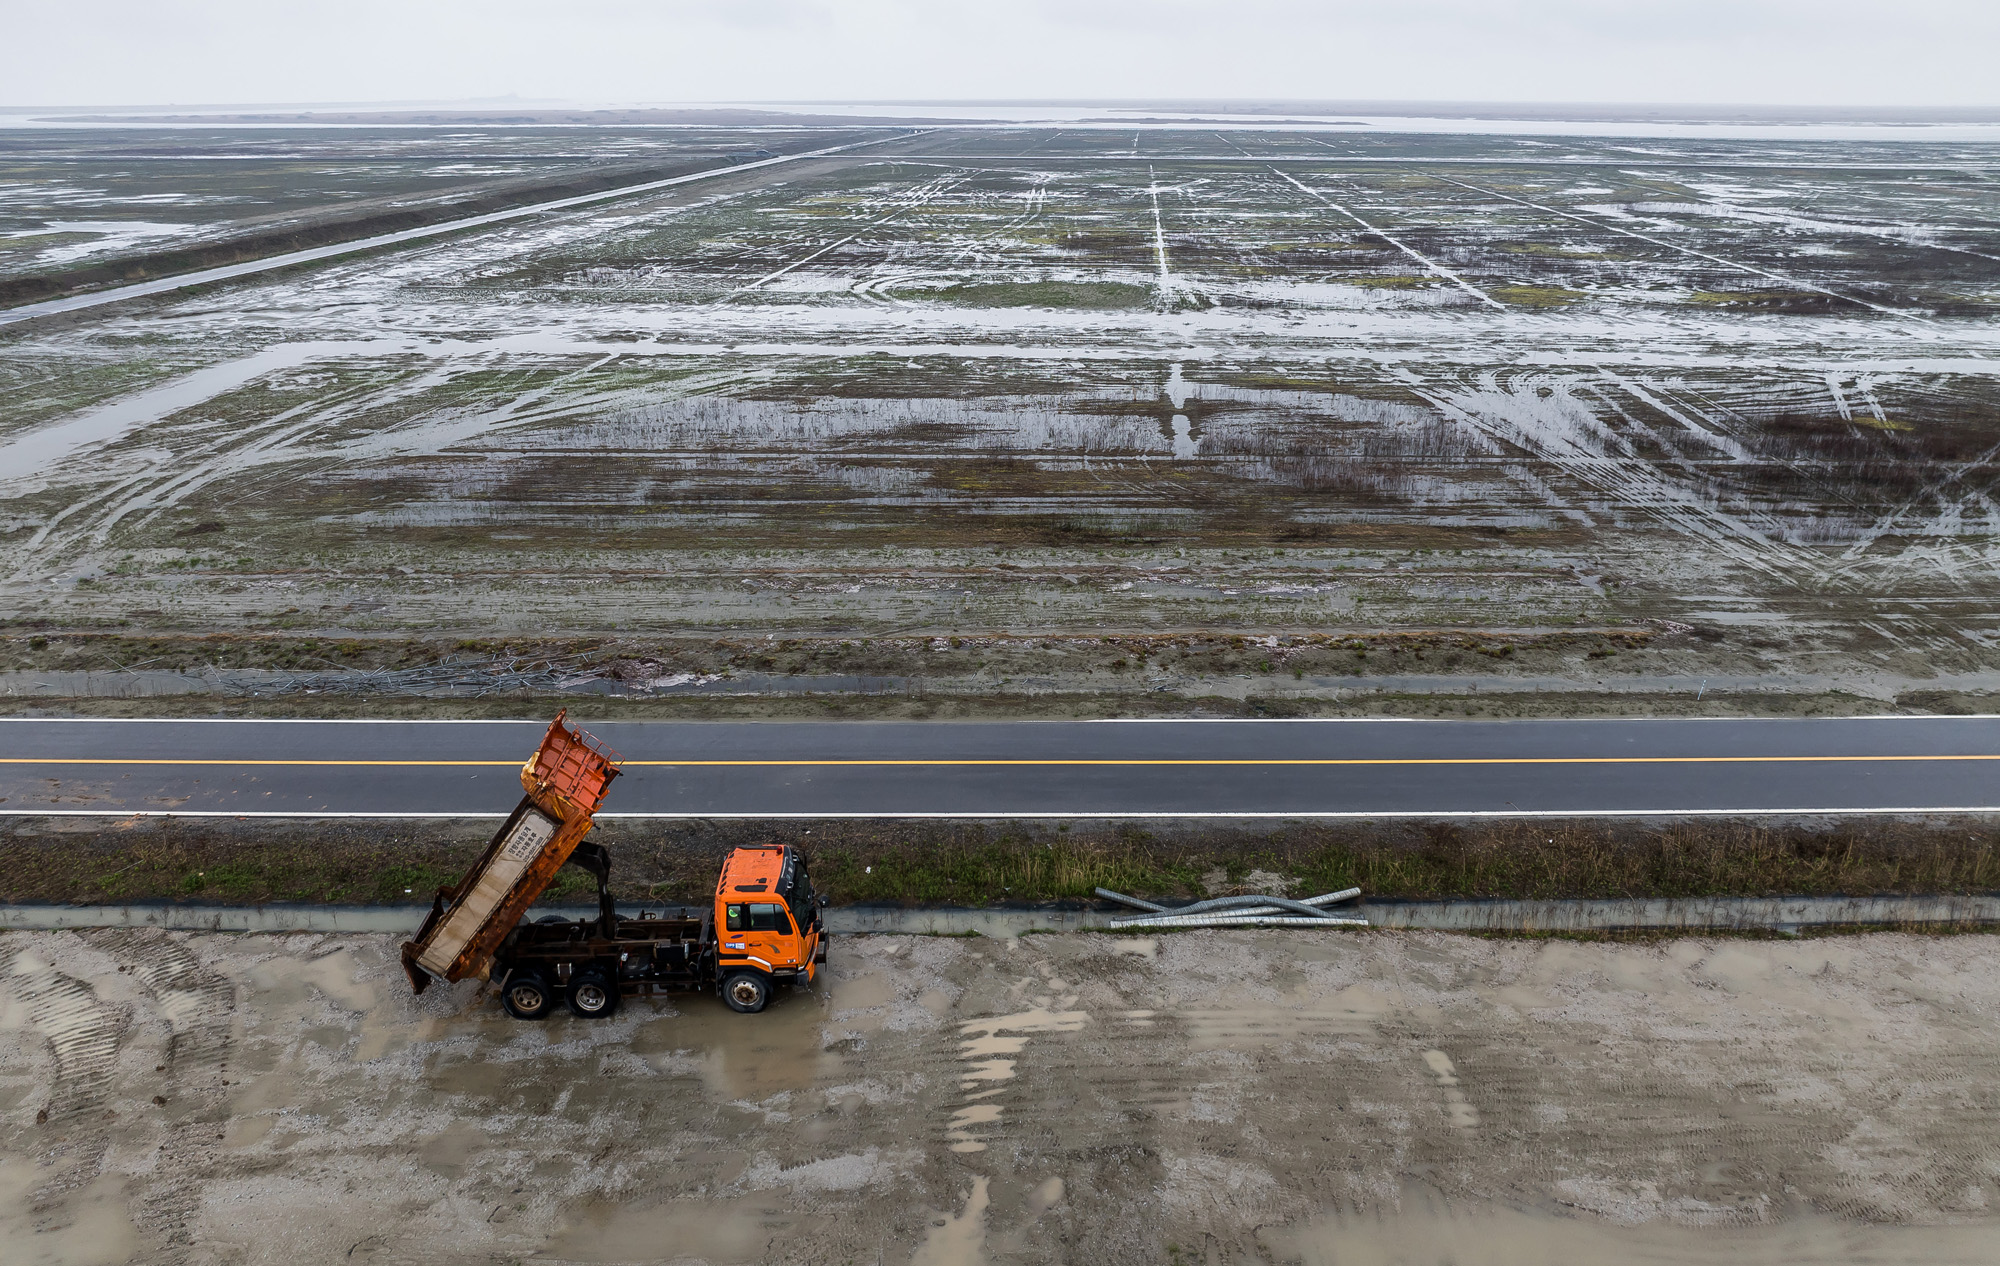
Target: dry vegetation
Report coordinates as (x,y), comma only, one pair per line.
(219,860)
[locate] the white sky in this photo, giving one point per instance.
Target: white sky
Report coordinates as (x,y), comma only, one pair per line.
(1817,52)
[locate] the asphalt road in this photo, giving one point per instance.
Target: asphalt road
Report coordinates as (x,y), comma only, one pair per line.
(1369,768)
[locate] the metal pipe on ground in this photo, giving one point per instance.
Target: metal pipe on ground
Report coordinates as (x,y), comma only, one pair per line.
(1241,909)
(1232,920)
(1137,903)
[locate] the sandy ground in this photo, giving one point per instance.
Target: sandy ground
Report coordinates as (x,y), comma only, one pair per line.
(1212,1097)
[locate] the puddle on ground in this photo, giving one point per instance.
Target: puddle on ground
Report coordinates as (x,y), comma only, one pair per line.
(448,1152)
(1458,1110)
(716,1232)
(983,1046)
(1178,391)
(746,1056)
(1356,1011)
(84,1228)
(36,451)
(1429,1232)
(959,1240)
(1046,1195)
(865,992)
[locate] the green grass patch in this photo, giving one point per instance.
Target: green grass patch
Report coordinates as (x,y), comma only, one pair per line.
(1042,294)
(250,862)
(1537,296)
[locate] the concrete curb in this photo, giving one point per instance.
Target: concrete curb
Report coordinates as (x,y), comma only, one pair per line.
(1689,914)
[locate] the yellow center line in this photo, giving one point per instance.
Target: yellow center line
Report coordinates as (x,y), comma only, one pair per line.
(815,762)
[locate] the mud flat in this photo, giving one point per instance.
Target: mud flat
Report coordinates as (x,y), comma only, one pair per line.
(1217,1096)
(1067,423)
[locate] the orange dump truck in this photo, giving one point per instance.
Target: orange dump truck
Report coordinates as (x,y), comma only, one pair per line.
(762,930)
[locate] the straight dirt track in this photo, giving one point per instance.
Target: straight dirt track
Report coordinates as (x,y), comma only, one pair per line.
(383,241)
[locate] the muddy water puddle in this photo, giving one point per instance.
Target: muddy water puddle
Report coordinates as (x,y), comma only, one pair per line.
(742,1057)
(1432,1232)
(716,1232)
(89,1227)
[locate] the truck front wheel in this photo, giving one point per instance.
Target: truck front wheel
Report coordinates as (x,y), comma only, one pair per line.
(527,996)
(746,991)
(592,995)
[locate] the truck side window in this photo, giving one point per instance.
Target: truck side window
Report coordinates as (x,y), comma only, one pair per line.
(732,918)
(769,918)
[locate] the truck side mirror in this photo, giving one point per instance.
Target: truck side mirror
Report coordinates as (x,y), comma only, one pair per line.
(822,903)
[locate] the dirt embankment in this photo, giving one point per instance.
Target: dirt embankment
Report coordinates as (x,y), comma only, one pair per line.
(338,225)
(225,860)
(1435,672)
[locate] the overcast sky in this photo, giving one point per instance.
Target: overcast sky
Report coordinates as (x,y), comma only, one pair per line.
(1817,52)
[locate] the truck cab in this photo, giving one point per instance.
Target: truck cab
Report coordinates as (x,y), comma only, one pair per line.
(767,925)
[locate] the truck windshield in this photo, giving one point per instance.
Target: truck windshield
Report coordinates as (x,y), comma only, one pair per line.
(804,906)
(756,917)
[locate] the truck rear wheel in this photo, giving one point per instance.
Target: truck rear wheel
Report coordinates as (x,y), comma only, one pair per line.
(746,991)
(592,995)
(527,996)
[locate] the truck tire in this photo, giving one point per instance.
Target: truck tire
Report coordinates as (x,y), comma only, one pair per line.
(746,991)
(592,995)
(527,996)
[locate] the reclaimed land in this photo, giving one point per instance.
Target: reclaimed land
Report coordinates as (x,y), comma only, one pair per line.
(975,402)
(337,226)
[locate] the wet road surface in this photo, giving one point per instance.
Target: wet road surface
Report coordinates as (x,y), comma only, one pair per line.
(1363,768)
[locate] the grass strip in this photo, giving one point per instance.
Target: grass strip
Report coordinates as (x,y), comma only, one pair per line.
(929,863)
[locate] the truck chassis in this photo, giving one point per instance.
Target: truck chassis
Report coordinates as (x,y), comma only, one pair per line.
(594,963)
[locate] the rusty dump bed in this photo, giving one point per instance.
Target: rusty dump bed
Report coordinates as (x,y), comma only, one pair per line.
(565,781)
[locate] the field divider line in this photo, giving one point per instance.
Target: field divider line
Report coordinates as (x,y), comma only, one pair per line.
(1025,761)
(1685,250)
(1166,286)
(1396,242)
(921,196)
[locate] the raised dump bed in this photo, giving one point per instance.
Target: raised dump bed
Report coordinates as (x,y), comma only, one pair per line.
(565,781)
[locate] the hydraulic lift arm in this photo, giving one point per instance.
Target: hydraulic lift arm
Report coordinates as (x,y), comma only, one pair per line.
(596,859)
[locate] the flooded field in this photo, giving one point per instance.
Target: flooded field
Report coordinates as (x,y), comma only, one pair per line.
(1735,398)
(1208,1097)
(106,195)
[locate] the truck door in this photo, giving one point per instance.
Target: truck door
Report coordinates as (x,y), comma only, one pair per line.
(804,906)
(761,930)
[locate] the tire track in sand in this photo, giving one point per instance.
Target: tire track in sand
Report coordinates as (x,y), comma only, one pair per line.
(199,1007)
